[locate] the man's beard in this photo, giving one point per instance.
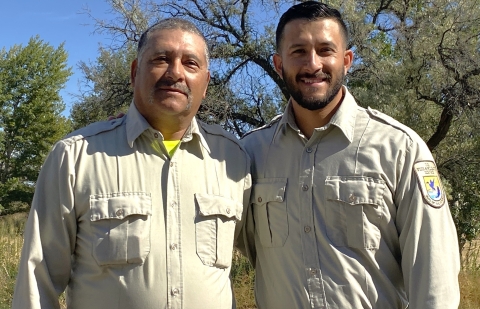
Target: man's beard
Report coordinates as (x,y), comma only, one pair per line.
(310,102)
(171,84)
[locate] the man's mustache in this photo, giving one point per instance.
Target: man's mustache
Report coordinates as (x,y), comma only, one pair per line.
(319,74)
(172,84)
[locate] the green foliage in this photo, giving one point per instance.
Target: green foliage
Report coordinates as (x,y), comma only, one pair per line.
(106,90)
(30,120)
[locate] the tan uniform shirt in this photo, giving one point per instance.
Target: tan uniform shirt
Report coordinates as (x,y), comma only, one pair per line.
(340,220)
(122,225)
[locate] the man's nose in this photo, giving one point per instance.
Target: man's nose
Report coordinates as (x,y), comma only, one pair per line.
(313,62)
(175,70)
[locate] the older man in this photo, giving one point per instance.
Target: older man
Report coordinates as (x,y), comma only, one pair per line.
(347,209)
(142,211)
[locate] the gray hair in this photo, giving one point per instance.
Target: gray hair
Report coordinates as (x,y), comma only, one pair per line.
(172,24)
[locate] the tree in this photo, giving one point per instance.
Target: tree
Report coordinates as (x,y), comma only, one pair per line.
(414,60)
(30,120)
(106,89)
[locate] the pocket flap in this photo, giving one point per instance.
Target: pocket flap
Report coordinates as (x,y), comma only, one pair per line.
(119,205)
(355,190)
(268,190)
(210,205)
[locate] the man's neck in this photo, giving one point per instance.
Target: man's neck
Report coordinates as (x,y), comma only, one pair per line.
(172,128)
(308,120)
(174,131)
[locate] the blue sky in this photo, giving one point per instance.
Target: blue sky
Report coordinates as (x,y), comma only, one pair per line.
(55,21)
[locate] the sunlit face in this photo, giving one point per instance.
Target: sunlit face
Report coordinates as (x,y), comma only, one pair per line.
(313,62)
(171,76)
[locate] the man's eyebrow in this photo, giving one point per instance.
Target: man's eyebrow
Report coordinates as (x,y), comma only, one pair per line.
(296,45)
(326,43)
(193,56)
(159,52)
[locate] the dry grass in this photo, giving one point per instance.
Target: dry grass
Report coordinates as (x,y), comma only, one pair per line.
(243,277)
(11,240)
(470,276)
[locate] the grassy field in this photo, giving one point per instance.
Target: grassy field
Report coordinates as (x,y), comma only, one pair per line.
(11,239)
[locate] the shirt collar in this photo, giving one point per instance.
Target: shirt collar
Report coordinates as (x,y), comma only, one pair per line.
(136,124)
(344,117)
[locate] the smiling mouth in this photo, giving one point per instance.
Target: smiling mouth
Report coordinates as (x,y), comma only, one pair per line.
(313,80)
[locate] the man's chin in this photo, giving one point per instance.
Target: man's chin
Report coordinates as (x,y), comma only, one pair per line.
(312,103)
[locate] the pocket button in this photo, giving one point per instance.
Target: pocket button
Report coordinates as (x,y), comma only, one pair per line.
(352,198)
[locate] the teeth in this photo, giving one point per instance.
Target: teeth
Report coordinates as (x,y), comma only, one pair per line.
(311,81)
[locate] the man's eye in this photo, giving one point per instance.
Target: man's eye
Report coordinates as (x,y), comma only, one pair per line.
(191,63)
(160,59)
(299,51)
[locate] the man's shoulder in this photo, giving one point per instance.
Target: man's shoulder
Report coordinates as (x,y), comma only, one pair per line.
(391,125)
(93,129)
(217,131)
(267,129)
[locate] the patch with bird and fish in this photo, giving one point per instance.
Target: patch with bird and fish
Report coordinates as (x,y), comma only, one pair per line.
(429,182)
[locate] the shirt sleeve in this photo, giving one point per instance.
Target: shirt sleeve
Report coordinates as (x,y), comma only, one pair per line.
(49,238)
(428,238)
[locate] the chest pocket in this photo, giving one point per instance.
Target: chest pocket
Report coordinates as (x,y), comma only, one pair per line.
(355,209)
(120,224)
(215,228)
(270,211)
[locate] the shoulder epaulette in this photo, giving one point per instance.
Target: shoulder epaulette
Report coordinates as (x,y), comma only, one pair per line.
(216,129)
(93,129)
(392,122)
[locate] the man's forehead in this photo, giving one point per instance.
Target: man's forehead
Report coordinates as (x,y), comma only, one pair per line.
(177,38)
(300,31)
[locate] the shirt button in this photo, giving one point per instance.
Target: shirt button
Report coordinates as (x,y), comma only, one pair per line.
(305,187)
(307,229)
(119,212)
(171,164)
(309,149)
(352,198)
(175,292)
(155,135)
(173,204)
(228,210)
(313,271)
(173,246)
(259,199)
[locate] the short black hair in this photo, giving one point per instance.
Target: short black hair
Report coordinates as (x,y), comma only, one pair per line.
(310,10)
(171,23)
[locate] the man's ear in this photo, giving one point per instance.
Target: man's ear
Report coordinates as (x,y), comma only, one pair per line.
(206,86)
(347,60)
(277,63)
(133,71)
